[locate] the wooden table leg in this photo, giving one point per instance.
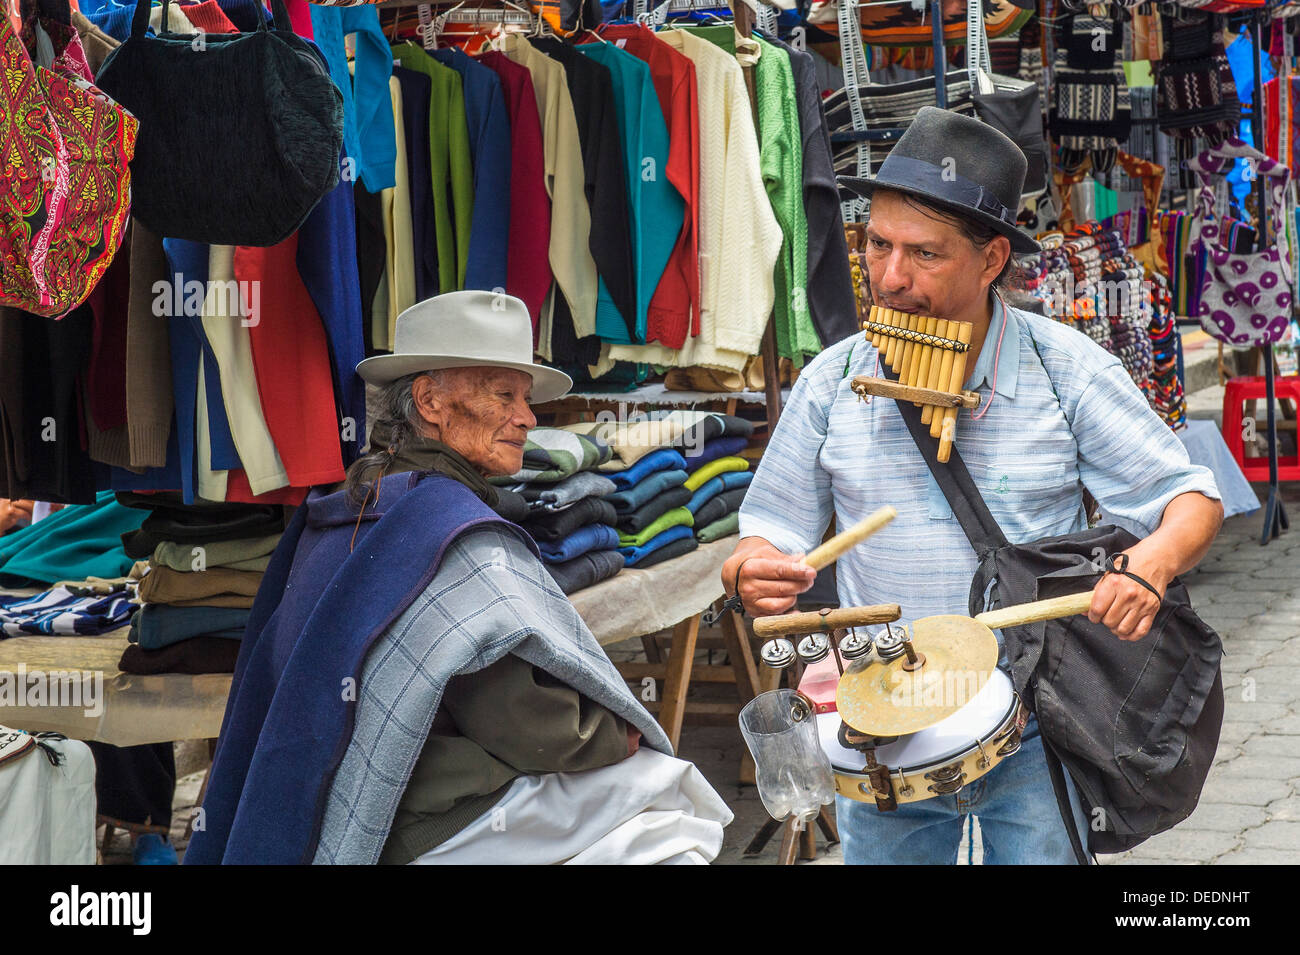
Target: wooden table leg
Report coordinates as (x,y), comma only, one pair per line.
(826,822)
(681,658)
(808,842)
(789,844)
(203,792)
(735,637)
(762,837)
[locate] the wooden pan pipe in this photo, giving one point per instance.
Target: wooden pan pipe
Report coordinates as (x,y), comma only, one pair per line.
(927,353)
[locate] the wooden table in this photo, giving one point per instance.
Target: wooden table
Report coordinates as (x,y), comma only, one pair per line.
(157,708)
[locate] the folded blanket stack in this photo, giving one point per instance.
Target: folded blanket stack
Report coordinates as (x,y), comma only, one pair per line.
(717,488)
(206,563)
(663,496)
(562,506)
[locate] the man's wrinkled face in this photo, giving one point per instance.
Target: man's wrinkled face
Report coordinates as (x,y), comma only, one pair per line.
(921,264)
(482,413)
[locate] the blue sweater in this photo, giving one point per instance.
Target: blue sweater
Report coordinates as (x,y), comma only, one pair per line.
(369,130)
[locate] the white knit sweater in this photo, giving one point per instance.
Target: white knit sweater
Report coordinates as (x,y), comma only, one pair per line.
(739,235)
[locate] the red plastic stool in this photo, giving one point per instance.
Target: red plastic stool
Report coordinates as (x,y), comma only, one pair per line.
(1236,392)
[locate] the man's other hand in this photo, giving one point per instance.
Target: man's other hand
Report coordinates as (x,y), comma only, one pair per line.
(1122,605)
(770,579)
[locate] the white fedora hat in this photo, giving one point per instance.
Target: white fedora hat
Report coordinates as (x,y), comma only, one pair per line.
(465,329)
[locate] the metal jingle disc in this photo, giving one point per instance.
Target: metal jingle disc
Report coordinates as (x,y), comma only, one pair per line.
(856,644)
(778,653)
(814,648)
(883,699)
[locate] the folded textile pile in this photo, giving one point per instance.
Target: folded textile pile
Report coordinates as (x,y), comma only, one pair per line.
(572,523)
(661,497)
(601,495)
(73,543)
(206,563)
(686,431)
(717,488)
(553,454)
(67,609)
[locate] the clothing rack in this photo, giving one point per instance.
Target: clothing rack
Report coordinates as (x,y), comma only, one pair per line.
(744,20)
(469,11)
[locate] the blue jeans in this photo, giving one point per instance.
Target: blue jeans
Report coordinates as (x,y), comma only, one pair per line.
(1015,804)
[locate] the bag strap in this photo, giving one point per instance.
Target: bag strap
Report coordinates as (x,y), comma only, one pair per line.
(853,62)
(1057,773)
(979,61)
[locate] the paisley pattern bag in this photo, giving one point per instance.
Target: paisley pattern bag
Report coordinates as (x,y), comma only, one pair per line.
(1245,298)
(64,174)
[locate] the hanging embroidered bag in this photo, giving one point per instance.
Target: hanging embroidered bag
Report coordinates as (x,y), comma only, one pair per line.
(64,174)
(1245,298)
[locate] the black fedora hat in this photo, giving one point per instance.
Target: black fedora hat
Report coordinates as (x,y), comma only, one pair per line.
(959,164)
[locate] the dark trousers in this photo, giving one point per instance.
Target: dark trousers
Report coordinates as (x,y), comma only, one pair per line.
(135,783)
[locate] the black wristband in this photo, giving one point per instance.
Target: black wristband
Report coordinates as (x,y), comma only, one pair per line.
(731,603)
(1118,564)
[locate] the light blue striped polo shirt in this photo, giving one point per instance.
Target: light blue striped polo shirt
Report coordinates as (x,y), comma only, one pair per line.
(1029,454)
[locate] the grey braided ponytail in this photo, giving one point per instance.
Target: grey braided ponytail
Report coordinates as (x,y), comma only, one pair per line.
(399,417)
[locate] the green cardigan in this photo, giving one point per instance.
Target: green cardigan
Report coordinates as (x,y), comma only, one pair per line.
(451,171)
(781,160)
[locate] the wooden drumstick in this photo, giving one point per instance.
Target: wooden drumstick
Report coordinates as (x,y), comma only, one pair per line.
(782,624)
(1053,608)
(926,326)
(941,355)
(830,551)
(948,424)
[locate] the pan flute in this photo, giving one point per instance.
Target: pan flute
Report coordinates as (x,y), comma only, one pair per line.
(929,355)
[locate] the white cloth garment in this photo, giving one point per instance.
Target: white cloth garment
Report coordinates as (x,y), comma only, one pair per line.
(224,315)
(649,809)
(47,813)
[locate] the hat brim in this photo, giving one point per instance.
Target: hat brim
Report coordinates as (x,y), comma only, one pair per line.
(548,383)
(1021,244)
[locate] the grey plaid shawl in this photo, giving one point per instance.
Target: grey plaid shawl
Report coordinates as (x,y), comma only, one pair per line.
(490,597)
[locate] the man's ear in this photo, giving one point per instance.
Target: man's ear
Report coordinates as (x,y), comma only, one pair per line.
(996,255)
(428,400)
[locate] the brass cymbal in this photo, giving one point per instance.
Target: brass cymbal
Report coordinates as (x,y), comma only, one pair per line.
(885,699)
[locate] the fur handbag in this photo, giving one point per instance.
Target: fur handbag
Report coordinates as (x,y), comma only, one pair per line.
(240,134)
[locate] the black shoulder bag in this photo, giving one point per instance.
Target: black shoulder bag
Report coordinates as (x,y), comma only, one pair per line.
(1136,724)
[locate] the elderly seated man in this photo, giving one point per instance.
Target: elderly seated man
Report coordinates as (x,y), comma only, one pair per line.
(413,686)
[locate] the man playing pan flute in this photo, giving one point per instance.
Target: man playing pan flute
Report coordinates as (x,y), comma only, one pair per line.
(1057,413)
